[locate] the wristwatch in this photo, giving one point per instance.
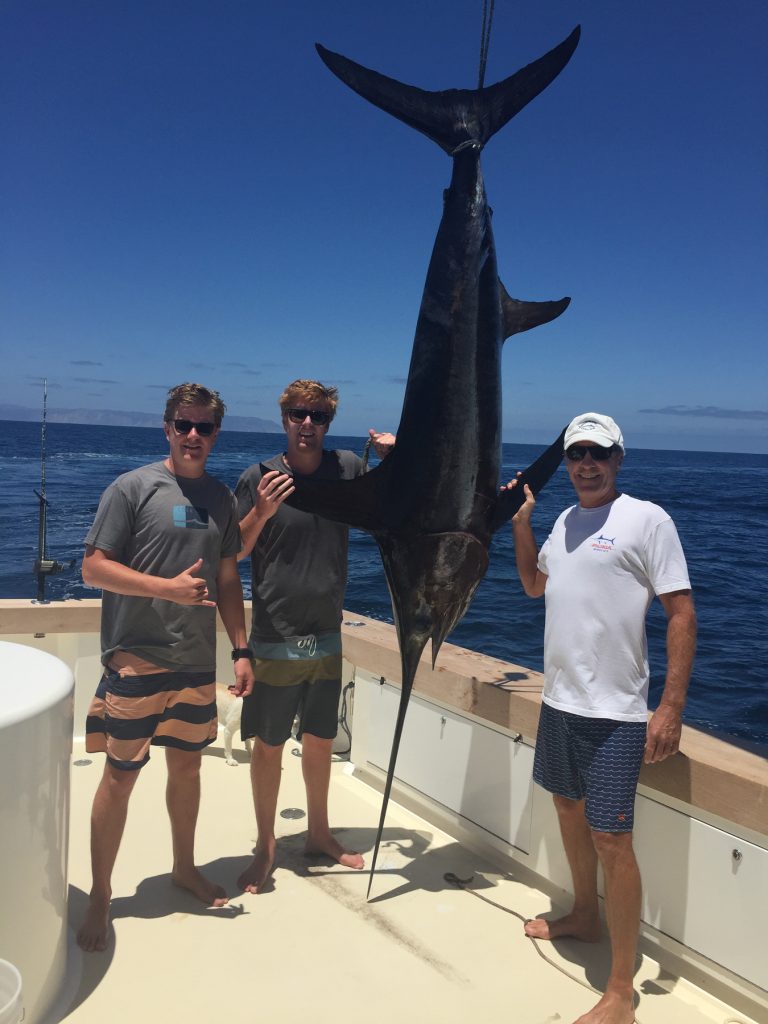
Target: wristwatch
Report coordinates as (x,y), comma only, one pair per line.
(241,652)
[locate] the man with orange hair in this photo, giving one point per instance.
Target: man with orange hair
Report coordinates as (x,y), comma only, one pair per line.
(299,573)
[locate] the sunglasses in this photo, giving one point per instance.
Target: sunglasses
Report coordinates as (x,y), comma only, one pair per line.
(577,452)
(204,429)
(317,416)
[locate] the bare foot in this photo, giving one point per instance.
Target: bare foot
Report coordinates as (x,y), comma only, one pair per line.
(576,926)
(93,934)
(613,1008)
(329,846)
(206,891)
(256,875)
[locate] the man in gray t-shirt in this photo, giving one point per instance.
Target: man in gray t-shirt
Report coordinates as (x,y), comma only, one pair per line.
(299,572)
(163,547)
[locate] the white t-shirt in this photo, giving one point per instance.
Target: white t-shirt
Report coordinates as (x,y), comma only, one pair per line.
(603,566)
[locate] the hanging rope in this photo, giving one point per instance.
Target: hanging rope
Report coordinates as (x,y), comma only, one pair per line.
(485,39)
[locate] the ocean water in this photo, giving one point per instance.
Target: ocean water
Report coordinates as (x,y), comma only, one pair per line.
(719,503)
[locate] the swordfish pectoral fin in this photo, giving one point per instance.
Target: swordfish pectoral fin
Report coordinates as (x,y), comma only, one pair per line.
(521,316)
(354,502)
(537,474)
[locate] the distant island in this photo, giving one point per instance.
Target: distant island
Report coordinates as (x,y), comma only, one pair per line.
(117,418)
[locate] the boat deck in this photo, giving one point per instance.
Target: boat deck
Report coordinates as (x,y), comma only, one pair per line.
(422,949)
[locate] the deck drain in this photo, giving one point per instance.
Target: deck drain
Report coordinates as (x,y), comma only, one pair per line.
(292,812)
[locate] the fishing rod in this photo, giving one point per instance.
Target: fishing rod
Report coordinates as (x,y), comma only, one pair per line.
(44,566)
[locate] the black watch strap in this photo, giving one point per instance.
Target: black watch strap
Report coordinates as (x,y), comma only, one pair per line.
(241,652)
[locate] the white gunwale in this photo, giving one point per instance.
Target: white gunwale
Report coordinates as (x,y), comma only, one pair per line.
(719,778)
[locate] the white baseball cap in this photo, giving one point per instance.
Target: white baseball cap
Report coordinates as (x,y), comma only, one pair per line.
(595,427)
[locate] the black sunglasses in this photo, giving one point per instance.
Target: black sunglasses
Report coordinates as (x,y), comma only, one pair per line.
(577,452)
(317,416)
(204,429)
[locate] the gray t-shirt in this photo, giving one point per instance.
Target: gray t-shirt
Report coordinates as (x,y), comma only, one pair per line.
(160,524)
(299,562)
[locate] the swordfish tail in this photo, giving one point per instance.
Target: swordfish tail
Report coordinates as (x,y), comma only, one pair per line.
(454,118)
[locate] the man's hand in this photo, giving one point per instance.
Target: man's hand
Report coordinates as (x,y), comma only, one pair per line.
(274,487)
(526,552)
(186,588)
(243,684)
(663,737)
(524,513)
(383,443)
(665,726)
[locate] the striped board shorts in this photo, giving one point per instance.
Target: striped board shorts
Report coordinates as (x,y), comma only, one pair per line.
(131,712)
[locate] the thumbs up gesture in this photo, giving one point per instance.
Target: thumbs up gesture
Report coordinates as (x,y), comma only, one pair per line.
(188,588)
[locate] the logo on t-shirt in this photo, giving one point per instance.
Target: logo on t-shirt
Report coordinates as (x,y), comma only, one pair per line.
(602,543)
(190,517)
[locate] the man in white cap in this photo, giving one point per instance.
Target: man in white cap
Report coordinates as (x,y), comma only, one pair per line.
(599,569)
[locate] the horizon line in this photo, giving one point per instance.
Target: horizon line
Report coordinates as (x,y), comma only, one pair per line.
(363,437)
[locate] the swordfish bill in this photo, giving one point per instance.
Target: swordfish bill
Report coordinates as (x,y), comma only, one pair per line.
(433,503)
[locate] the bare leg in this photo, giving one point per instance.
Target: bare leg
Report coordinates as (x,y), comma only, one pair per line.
(108,815)
(622,898)
(583,921)
(182,797)
(316,767)
(266,766)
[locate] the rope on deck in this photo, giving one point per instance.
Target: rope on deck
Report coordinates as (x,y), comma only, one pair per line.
(464,883)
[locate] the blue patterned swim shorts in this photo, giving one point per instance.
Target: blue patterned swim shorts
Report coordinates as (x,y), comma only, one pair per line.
(592,759)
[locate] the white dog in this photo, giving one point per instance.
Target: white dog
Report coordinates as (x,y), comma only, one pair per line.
(229,709)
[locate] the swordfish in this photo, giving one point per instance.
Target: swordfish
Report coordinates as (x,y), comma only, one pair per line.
(434,502)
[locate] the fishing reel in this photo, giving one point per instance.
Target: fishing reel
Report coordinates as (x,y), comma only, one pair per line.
(49,566)
(44,567)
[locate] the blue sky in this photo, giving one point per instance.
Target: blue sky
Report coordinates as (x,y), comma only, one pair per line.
(189,193)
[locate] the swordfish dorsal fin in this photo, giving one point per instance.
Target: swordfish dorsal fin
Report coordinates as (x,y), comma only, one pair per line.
(537,474)
(354,502)
(454,117)
(518,316)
